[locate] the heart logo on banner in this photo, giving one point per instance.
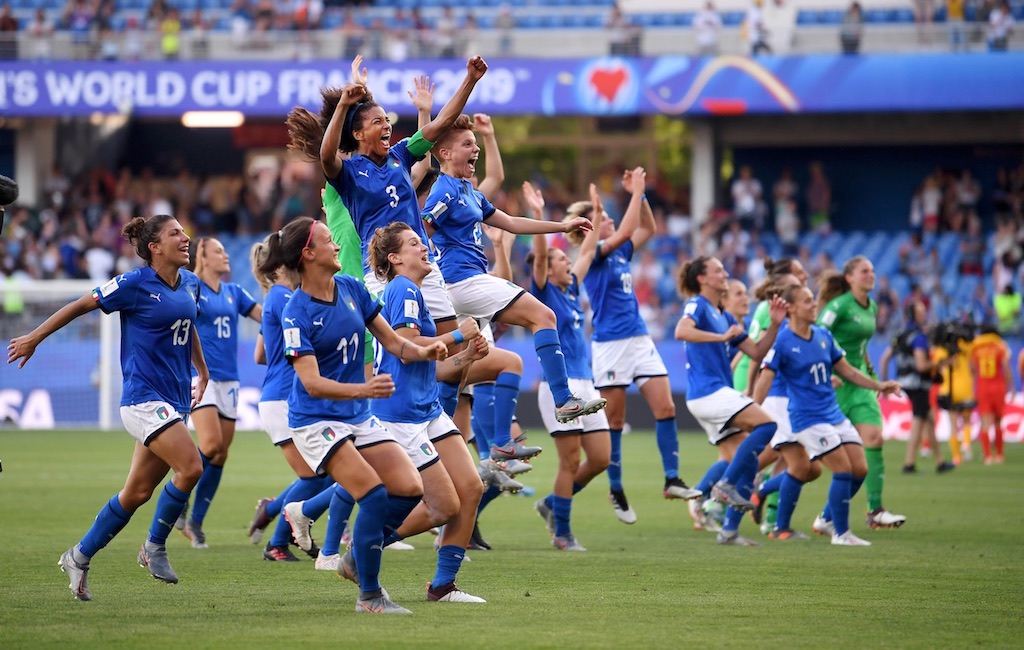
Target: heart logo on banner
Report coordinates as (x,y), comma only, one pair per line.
(608,82)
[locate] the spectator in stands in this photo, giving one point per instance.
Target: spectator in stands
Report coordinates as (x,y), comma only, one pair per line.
(470,36)
(955,22)
(623,36)
(8,33)
(505,23)
(931,203)
(79,17)
(887,302)
(134,41)
(421,37)
(241,21)
(1007,305)
(747,199)
(707,23)
(852,29)
(819,199)
(445,32)
(755,30)
(354,35)
(170,36)
(972,249)
(198,35)
(924,13)
(1000,24)
(40,32)
(981,310)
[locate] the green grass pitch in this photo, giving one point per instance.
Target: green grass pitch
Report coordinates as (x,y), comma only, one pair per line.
(952,577)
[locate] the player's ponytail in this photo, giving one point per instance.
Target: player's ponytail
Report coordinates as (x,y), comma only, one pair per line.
(258,256)
(687,281)
(577,209)
(385,241)
(196,253)
(284,247)
(141,232)
(304,133)
(831,284)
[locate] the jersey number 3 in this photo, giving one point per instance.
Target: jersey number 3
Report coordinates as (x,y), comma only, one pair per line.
(392,191)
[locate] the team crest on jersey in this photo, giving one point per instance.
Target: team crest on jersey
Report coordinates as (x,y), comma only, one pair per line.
(351,303)
(329,434)
(822,345)
(108,288)
(231,300)
(292,339)
(162,413)
(396,164)
(412,309)
(427,449)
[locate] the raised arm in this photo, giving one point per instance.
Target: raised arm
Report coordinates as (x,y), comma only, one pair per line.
(631,219)
(423,100)
(495,169)
(475,69)
(330,157)
(588,249)
(22,348)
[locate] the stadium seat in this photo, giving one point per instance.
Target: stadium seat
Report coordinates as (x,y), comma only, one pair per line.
(807,17)
(733,18)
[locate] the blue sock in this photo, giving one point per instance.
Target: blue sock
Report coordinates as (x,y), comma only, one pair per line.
(398,509)
(448,393)
(340,511)
(506,394)
(274,507)
(169,507)
(110,520)
(368,538)
(322,489)
(712,476)
(615,461)
(744,464)
(483,418)
(577,487)
(552,362)
(206,489)
(855,484)
(562,508)
(449,560)
(668,444)
(839,501)
(301,490)
(733,517)
(774,484)
(789,494)
(490,494)
(549,499)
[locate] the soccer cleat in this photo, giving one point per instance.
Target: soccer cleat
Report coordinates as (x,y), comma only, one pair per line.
(946,466)
(882,518)
(567,543)
(449,593)
(733,538)
(379,605)
(78,573)
(514,467)
(327,562)
(968,454)
(154,558)
(757,513)
(179,523)
(577,407)
(300,524)
(725,492)
(909,469)
(400,546)
(279,554)
(260,521)
(823,526)
(676,488)
(347,567)
(696,509)
(715,513)
(621,507)
(513,451)
(849,539)
(546,514)
(477,541)
(346,535)
(195,533)
(786,534)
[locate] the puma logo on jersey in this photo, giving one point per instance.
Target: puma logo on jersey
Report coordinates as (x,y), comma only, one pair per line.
(155,296)
(363,173)
(290,321)
(319,323)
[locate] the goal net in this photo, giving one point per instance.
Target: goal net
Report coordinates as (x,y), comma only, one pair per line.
(74,377)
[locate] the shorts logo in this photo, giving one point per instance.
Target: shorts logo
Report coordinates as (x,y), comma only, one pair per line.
(328,434)
(427,449)
(611,374)
(162,413)
(822,442)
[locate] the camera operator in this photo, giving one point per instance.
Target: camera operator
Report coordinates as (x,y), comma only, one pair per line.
(915,373)
(951,342)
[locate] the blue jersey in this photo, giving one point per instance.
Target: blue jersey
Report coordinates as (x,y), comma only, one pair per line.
(156,341)
(218,327)
(455,209)
(333,332)
(415,399)
(377,195)
(806,365)
(707,364)
(569,318)
(610,287)
(277,383)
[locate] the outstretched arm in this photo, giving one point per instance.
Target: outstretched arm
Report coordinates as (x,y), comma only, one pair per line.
(22,348)
(423,100)
(475,69)
(588,249)
(857,378)
(631,219)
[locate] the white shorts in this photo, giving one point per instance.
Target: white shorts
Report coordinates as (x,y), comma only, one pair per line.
(483,296)
(223,395)
(144,421)
(820,439)
(317,442)
(778,408)
(714,411)
(418,439)
(619,363)
(274,416)
(435,294)
(582,388)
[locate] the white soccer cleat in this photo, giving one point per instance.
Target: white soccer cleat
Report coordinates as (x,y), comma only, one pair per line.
(823,526)
(400,546)
(300,524)
(849,539)
(882,518)
(327,562)
(621,507)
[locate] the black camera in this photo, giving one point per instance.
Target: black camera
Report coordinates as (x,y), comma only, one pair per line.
(948,334)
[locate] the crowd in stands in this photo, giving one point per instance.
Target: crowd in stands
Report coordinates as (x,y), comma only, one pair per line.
(76,234)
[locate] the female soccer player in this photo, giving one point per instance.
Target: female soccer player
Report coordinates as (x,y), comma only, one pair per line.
(805,355)
(273,407)
(158,305)
(329,404)
(725,413)
(990,360)
(556,283)
(221,303)
(848,311)
(451,487)
(454,213)
(623,351)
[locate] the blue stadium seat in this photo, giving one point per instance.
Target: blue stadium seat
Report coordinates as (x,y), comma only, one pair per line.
(876,16)
(807,17)
(733,18)
(906,15)
(830,17)
(528,22)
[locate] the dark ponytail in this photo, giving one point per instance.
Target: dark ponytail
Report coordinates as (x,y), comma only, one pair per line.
(687,281)
(284,247)
(141,232)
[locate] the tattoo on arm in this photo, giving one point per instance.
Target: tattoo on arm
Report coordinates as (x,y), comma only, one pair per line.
(457,361)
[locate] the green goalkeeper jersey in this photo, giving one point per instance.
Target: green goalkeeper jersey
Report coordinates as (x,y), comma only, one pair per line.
(852,324)
(344,234)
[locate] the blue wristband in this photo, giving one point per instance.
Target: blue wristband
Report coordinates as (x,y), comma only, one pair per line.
(458,337)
